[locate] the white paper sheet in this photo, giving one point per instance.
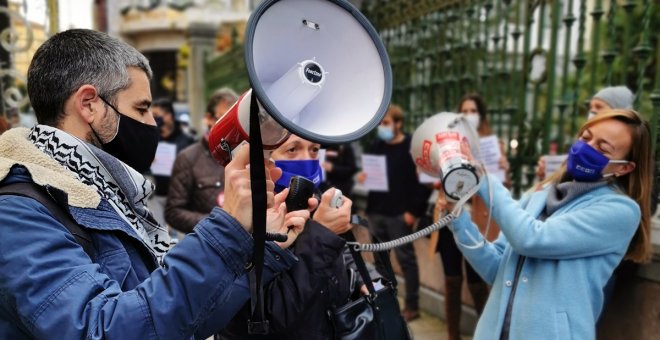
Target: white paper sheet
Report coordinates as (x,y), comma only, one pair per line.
(164,160)
(375,167)
(552,163)
(491,155)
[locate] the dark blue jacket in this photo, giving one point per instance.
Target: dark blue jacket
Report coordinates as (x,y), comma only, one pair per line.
(50,288)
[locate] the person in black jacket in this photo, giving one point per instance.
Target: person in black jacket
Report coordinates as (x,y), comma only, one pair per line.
(340,167)
(170,134)
(297,302)
(392,214)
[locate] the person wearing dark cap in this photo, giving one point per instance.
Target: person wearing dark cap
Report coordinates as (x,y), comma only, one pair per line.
(172,138)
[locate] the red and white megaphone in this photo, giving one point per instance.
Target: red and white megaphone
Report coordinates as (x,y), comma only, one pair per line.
(436,149)
(317,68)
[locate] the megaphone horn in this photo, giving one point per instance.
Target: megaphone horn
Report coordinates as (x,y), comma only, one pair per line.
(436,149)
(233,128)
(317,69)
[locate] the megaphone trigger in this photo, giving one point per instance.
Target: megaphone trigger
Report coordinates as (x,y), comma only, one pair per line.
(337,199)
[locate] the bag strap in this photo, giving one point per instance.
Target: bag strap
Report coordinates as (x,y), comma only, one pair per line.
(384,257)
(361,266)
(41,195)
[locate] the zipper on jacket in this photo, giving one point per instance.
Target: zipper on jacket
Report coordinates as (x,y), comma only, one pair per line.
(509,306)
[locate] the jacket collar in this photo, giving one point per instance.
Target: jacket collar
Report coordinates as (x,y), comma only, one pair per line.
(16,149)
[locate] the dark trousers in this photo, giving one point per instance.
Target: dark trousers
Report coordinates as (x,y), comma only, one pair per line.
(452,258)
(387,228)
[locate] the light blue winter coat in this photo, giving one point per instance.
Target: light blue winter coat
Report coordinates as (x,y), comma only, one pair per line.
(569,259)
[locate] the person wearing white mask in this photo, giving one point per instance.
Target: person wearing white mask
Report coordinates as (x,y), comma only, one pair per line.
(473,107)
(393,213)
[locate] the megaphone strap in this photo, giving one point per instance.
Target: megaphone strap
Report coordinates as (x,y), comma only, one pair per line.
(257,324)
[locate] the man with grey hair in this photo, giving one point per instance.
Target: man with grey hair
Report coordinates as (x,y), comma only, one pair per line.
(220,102)
(81,256)
(197,185)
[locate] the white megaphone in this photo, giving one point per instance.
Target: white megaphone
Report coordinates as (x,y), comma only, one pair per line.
(318,69)
(436,149)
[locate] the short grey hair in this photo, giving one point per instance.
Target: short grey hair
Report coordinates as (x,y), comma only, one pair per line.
(225,94)
(73,58)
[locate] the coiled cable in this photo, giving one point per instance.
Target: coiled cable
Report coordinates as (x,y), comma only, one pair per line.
(442,222)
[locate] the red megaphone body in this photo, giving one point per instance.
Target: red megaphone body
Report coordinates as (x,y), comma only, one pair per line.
(233,128)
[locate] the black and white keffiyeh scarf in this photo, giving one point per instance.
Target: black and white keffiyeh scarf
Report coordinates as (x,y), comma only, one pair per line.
(124,188)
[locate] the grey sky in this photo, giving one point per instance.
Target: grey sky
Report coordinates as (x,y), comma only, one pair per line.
(73,13)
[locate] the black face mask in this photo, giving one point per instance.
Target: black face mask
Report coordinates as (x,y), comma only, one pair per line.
(135,143)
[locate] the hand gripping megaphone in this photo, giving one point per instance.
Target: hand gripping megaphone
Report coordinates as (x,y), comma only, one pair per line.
(317,69)
(436,149)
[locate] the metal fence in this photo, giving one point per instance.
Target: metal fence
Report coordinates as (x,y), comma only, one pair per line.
(537,63)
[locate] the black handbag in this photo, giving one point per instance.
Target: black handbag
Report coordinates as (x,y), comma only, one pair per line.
(375,316)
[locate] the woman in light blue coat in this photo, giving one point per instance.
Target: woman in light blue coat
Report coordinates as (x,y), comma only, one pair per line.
(559,244)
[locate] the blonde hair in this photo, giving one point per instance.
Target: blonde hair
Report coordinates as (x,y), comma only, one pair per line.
(637,184)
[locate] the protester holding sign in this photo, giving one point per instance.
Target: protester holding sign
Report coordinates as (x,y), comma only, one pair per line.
(172,141)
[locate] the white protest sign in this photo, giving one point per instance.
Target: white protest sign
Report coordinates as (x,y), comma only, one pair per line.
(375,168)
(164,160)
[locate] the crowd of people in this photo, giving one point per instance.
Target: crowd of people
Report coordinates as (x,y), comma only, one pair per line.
(86,237)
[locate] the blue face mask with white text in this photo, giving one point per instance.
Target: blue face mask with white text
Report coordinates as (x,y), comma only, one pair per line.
(308,168)
(586,164)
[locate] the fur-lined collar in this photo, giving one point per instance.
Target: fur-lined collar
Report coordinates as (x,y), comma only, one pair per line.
(15,148)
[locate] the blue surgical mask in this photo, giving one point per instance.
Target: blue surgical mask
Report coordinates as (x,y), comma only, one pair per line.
(308,168)
(385,133)
(586,164)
